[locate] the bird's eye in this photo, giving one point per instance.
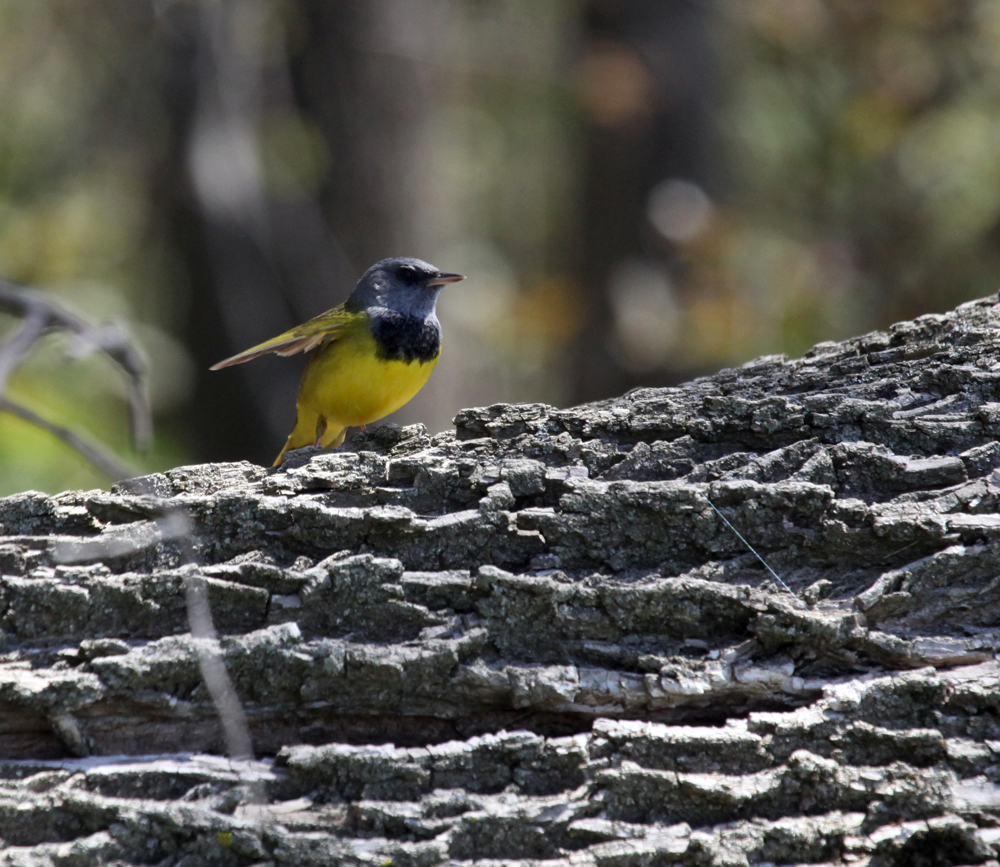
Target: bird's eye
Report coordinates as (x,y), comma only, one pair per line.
(407,274)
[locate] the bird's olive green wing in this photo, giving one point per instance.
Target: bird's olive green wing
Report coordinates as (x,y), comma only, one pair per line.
(316,332)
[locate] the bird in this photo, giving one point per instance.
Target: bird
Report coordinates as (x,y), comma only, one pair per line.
(371,354)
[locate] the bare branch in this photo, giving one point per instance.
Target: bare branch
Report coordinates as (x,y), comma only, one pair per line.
(14,350)
(41,313)
(104,460)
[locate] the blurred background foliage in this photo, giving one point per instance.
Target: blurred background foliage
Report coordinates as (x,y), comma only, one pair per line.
(639,190)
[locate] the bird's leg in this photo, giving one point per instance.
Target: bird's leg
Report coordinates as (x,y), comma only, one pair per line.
(364,427)
(320,429)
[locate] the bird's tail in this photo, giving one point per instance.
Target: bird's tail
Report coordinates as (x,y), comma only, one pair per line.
(312,429)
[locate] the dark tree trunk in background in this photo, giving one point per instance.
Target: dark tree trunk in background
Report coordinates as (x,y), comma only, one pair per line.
(361,75)
(260,261)
(222,410)
(655,126)
(257,261)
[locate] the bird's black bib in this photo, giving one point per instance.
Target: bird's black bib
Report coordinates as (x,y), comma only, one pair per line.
(405,338)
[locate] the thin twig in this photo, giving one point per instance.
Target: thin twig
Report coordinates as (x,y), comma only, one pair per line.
(235,730)
(41,314)
(104,460)
(13,351)
(176,525)
(753,550)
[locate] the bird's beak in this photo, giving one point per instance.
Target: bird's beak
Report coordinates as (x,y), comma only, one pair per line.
(444,279)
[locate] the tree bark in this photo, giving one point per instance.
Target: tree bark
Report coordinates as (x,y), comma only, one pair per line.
(551,618)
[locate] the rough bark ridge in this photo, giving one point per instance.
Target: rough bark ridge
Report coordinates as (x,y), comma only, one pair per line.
(576,659)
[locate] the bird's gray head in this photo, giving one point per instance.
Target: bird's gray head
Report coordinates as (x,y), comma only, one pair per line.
(404,285)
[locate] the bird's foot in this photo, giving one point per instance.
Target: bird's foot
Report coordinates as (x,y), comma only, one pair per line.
(320,430)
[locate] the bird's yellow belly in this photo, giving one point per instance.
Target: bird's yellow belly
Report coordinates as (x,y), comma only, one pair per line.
(346,383)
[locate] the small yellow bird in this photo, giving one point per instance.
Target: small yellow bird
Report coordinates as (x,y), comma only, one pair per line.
(373,352)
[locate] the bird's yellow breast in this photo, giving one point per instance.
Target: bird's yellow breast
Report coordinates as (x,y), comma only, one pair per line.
(348,384)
